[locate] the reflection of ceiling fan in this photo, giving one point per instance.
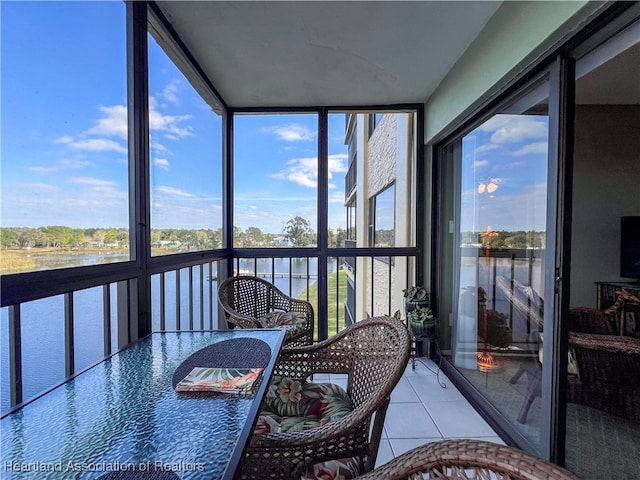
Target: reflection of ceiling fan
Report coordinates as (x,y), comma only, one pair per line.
(490,186)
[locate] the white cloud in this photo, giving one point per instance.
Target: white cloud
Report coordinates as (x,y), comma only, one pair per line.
(171,191)
(170,91)
(97,145)
(301,171)
(532,148)
(304,171)
(113,123)
(515,128)
(68,163)
(486,147)
(157,147)
(293,132)
(168,123)
(99,186)
(39,169)
(82,203)
(63,139)
(162,163)
(480,163)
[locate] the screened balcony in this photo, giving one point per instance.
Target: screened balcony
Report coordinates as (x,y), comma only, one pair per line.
(345,238)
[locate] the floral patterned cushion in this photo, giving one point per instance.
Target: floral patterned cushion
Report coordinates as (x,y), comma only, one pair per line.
(293,322)
(343,469)
(294,405)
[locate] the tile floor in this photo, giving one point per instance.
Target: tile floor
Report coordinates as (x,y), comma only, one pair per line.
(421,411)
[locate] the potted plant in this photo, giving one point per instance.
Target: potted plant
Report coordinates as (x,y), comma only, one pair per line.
(422,321)
(415,297)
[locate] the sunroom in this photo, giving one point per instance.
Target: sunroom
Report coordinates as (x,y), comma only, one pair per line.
(344,151)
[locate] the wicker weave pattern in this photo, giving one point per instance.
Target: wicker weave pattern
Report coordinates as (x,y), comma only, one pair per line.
(374,354)
(468,459)
(609,368)
(245,299)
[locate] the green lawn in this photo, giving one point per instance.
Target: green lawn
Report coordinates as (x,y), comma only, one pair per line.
(336,301)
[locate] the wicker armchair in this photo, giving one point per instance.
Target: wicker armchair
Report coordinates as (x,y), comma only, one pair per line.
(374,354)
(247,301)
(608,376)
(467,459)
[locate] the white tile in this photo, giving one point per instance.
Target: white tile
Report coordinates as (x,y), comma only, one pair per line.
(385,453)
(429,389)
(403,392)
(424,366)
(403,445)
(409,420)
(457,419)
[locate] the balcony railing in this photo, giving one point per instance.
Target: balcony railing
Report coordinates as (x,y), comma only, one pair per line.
(92,312)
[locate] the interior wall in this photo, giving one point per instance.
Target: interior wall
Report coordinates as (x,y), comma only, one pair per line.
(606,186)
(515,36)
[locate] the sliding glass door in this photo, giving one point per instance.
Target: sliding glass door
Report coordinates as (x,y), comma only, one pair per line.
(500,178)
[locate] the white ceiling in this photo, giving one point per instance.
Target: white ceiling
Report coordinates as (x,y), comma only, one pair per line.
(333,53)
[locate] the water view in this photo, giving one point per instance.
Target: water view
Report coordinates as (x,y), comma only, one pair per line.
(43,320)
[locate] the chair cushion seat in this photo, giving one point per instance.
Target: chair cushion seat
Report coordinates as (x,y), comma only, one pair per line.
(293,405)
(293,322)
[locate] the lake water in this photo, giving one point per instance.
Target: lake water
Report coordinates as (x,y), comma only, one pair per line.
(43,320)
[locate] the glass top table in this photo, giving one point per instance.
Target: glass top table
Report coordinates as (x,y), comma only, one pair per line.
(122,417)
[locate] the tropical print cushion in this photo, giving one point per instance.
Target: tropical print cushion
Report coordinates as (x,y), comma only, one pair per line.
(293,405)
(293,322)
(321,402)
(343,469)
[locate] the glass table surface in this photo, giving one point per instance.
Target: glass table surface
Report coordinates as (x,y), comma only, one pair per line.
(123,415)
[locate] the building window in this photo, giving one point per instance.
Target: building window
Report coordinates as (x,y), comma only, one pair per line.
(374,121)
(382,218)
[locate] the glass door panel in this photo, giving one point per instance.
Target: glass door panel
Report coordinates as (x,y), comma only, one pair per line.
(501,170)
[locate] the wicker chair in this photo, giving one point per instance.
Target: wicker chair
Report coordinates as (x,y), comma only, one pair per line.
(467,459)
(608,376)
(374,354)
(247,301)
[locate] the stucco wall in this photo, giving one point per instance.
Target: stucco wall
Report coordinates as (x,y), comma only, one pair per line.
(516,35)
(382,154)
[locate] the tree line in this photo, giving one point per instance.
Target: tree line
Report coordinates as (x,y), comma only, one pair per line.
(296,232)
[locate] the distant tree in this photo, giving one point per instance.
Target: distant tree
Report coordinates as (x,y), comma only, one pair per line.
(298,230)
(123,236)
(8,237)
(239,237)
(254,236)
(340,237)
(59,236)
(111,236)
(98,237)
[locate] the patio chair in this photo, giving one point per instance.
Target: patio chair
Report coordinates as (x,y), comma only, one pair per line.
(252,302)
(467,459)
(307,429)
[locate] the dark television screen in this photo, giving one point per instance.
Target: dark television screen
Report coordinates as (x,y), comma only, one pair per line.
(630,247)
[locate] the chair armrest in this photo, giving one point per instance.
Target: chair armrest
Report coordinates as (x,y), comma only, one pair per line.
(242,321)
(606,359)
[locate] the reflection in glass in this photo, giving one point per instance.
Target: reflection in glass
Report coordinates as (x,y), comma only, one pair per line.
(498,315)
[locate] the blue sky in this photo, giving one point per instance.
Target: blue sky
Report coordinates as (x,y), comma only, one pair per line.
(64,149)
(64,130)
(509,151)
